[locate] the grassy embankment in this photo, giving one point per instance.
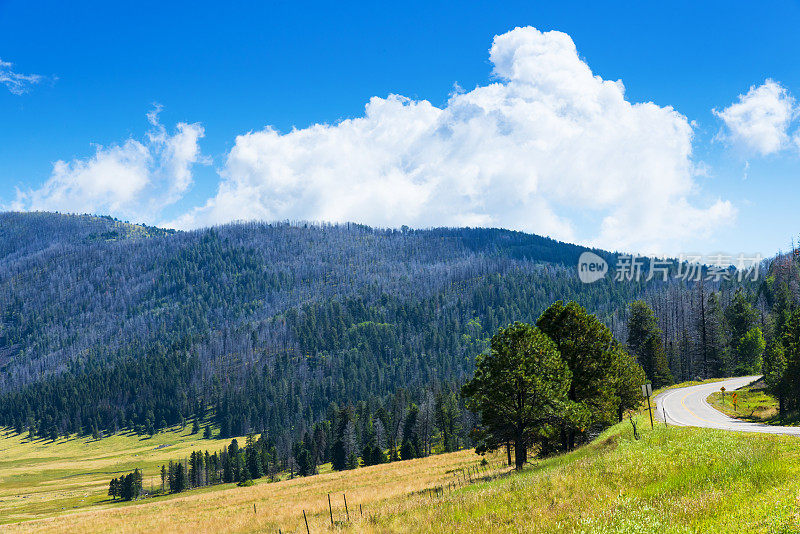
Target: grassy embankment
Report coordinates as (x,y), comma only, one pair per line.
(754,404)
(672,480)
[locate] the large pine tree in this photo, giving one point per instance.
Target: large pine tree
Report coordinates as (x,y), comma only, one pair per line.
(520,390)
(594,358)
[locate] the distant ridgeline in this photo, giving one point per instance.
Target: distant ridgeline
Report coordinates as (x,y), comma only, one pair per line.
(271,327)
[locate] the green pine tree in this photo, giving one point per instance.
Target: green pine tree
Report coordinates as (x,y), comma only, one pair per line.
(520,389)
(645,342)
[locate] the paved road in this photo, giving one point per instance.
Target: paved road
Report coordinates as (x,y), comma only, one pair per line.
(688,407)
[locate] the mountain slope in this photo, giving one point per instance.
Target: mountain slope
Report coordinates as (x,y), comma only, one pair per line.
(159,319)
(108,325)
(80,288)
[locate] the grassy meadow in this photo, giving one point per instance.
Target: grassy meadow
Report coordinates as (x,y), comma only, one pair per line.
(42,478)
(68,495)
(673,479)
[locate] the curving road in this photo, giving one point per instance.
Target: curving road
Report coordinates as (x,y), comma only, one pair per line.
(688,407)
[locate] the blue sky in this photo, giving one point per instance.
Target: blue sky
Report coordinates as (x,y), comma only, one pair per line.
(257,71)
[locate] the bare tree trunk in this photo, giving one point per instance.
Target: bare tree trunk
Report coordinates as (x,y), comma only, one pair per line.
(703,341)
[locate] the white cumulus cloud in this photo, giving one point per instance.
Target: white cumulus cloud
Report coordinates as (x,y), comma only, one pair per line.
(760,120)
(15,82)
(135,179)
(547,141)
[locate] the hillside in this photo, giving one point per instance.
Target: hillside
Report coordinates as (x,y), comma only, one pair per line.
(332,343)
(106,325)
(85,290)
(672,480)
(351,312)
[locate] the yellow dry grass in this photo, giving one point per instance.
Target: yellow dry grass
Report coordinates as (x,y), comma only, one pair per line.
(278,505)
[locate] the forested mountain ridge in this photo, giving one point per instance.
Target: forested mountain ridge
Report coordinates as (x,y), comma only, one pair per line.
(74,288)
(105,324)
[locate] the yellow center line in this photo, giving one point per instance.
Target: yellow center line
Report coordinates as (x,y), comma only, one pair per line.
(691,412)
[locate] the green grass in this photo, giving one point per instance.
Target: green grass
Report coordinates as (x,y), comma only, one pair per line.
(41,478)
(672,480)
(753,403)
